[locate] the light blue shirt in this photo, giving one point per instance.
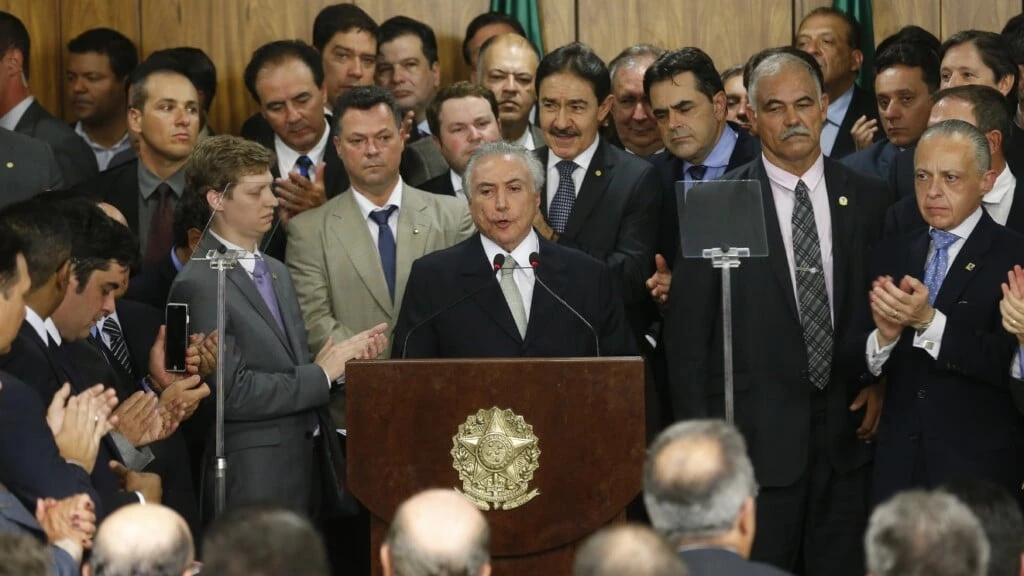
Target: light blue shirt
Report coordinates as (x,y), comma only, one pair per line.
(718,160)
(834,119)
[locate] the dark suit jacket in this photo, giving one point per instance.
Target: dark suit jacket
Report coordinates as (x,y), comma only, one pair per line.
(152,285)
(15,518)
(862,104)
(75,158)
(873,161)
(30,167)
(480,323)
(670,169)
(714,561)
(966,384)
(901,175)
(118,186)
(904,216)
(615,219)
(773,393)
(439,185)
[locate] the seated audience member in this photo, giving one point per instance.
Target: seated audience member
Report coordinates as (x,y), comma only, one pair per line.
(931,533)
(163,115)
(137,539)
(99,63)
(1000,519)
(520,314)
(699,489)
(22,555)
(32,167)
(203,73)
(507,65)
(263,540)
(462,117)
(832,37)
(635,131)
(736,102)
(21,112)
(437,532)
(627,549)
(482,28)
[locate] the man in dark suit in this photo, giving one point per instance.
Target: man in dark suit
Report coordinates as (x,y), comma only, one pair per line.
(31,167)
(831,37)
(455,306)
(462,117)
(793,404)
(147,189)
(937,336)
(275,395)
(507,65)
(699,489)
(906,75)
(985,109)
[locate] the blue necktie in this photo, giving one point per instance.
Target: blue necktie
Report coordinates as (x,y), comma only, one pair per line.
(386,246)
(565,196)
(304,164)
(935,272)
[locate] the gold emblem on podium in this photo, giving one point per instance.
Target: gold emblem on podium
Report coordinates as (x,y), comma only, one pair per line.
(496,454)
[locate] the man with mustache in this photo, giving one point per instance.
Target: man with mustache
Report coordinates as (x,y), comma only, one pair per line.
(507,65)
(635,129)
(792,402)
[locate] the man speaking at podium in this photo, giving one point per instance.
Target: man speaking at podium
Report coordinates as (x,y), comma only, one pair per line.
(506,292)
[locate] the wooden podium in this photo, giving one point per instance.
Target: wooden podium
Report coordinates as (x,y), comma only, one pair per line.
(587,415)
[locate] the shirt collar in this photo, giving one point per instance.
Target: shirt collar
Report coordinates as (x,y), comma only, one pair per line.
(13,116)
(788,180)
(366,206)
(287,156)
(249,253)
(37,323)
(965,228)
(119,145)
(526,140)
(1003,184)
(99,323)
(582,160)
(148,182)
(456,180)
(424,127)
(720,154)
(520,253)
(837,110)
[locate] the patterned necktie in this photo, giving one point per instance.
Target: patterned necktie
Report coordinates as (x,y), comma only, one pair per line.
(512,295)
(935,272)
(265,285)
(386,246)
(160,237)
(565,196)
(810,289)
(118,348)
(303,164)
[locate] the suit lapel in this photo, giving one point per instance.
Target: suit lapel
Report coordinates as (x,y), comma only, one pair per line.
(474,273)
(780,263)
(240,278)
(542,155)
(840,212)
(288,304)
(1015,219)
(413,237)
(352,236)
(592,190)
(543,306)
(966,264)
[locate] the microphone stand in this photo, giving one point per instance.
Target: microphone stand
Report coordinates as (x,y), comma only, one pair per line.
(726,260)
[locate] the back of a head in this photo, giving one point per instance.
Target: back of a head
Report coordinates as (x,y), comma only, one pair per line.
(488,19)
(1000,518)
(437,533)
(263,541)
(14,35)
(142,539)
(45,234)
(22,555)
(625,549)
(918,533)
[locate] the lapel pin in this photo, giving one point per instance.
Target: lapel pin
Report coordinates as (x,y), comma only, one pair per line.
(415,230)
(843,201)
(10,164)
(273,275)
(597,172)
(970,266)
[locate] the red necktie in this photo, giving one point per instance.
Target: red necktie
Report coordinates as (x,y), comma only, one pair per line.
(161,227)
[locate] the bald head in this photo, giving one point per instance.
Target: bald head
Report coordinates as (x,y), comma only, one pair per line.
(627,549)
(142,539)
(437,532)
(112,211)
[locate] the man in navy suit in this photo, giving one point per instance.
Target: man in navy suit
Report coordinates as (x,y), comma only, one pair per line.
(496,293)
(937,335)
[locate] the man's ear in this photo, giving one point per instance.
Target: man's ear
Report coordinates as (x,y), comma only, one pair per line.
(63,276)
(856,59)
(385,560)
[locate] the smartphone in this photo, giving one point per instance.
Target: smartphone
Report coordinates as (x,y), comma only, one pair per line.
(176,320)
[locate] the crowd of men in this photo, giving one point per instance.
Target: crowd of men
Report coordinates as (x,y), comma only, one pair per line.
(533,210)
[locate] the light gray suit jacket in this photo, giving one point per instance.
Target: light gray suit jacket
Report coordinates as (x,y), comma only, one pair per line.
(271,386)
(27,167)
(429,162)
(337,271)
(76,160)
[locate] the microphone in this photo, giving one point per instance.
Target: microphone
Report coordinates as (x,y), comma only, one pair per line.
(499,259)
(535,263)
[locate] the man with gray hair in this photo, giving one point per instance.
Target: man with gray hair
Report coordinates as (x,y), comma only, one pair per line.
(435,533)
(635,129)
(142,539)
(806,421)
(931,326)
(505,291)
(631,549)
(699,489)
(925,533)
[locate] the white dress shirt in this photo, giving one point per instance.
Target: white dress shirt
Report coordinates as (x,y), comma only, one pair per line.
(999,199)
(13,116)
(366,206)
(783,185)
(288,158)
(582,162)
(247,260)
(523,275)
(46,329)
(526,140)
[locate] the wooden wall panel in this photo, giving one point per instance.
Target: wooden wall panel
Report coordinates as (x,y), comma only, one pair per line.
(557,22)
(965,14)
(41,19)
(891,15)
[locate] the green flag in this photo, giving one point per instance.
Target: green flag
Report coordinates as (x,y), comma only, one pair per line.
(528,15)
(860,10)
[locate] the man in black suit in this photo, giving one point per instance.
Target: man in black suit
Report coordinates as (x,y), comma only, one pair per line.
(462,117)
(937,338)
(163,115)
(831,36)
(906,75)
(793,405)
(985,109)
(456,307)
(699,489)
